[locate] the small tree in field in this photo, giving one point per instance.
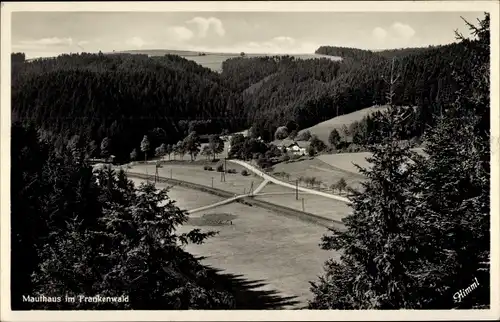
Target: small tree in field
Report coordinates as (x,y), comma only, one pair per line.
(311,151)
(145,147)
(133,155)
(334,138)
(206,152)
(341,184)
(317,144)
(304,136)
(169,150)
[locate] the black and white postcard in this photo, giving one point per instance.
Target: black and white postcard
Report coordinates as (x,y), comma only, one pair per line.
(249,160)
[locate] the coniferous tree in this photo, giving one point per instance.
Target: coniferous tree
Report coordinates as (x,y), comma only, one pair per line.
(454,184)
(105,147)
(419,230)
(145,145)
(334,138)
(133,155)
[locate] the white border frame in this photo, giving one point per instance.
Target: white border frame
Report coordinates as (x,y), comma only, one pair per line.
(237,315)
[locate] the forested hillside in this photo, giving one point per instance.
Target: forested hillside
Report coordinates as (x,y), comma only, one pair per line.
(311,91)
(122,97)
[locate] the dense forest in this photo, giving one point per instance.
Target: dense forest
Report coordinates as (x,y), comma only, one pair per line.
(121,97)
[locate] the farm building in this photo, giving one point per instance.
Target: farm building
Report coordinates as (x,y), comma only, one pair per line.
(295,147)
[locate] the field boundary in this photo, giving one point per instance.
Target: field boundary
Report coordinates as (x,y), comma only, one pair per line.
(249,201)
(347,172)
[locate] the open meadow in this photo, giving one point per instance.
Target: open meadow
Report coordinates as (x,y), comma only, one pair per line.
(185,198)
(316,205)
(235,182)
(271,253)
(346,161)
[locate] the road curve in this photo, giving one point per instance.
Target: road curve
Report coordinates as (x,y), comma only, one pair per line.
(288,185)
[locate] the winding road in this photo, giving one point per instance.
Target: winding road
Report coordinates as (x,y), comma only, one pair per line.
(288,185)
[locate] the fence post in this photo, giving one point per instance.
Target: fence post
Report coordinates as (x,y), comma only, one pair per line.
(296,189)
(303,208)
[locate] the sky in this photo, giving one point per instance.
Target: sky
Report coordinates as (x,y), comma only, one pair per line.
(43,34)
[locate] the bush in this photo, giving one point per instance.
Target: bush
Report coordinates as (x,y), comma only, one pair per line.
(220,168)
(269,169)
(303,136)
(285,158)
(244,173)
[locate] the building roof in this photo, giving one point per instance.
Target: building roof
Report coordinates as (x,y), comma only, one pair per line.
(288,143)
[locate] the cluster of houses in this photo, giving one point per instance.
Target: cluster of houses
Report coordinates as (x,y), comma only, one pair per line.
(291,146)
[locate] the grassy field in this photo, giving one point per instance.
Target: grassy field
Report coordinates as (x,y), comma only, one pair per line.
(235,183)
(345,161)
(323,129)
(185,198)
(214,60)
(317,205)
(327,172)
(267,252)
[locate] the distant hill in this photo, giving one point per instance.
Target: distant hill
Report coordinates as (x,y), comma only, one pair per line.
(214,60)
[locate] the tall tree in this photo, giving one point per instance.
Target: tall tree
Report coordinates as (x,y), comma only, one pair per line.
(455,184)
(145,146)
(216,145)
(192,145)
(334,138)
(106,147)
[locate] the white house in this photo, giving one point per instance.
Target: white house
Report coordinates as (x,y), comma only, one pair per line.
(295,147)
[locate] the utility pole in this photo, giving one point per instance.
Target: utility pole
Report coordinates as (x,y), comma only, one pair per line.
(251,188)
(296,189)
(212,182)
(170,173)
(225,168)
